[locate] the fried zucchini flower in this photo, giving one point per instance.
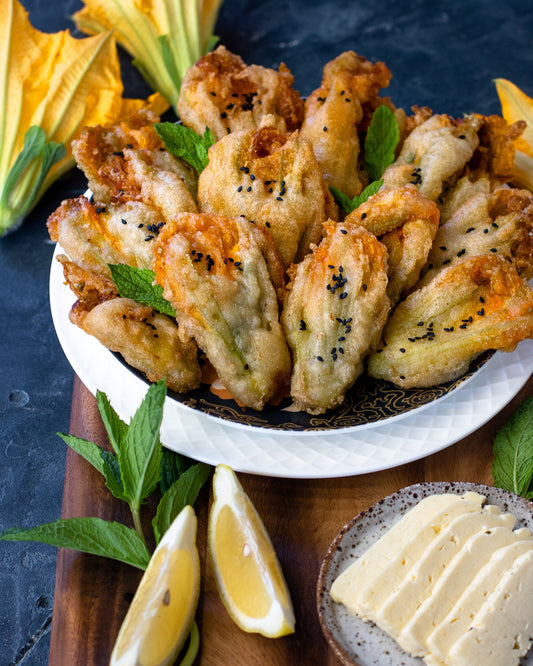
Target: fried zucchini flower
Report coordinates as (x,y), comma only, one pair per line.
(432,336)
(222,276)
(406,223)
(224,94)
(500,222)
(164,37)
(53,85)
(127,161)
(333,113)
(147,340)
(434,153)
(94,235)
(272,179)
(333,315)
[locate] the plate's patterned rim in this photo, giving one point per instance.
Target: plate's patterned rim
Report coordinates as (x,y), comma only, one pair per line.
(312,454)
(369,402)
(358,643)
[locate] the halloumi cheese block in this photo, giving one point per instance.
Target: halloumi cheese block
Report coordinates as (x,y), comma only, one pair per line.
(454,580)
(420,580)
(372,598)
(355,585)
(501,630)
(458,621)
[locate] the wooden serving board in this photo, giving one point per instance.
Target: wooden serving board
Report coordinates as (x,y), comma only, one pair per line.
(302,517)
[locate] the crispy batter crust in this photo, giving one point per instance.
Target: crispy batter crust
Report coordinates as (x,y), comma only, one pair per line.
(214,270)
(269,177)
(432,337)
(334,112)
(148,340)
(406,223)
(334,313)
(221,92)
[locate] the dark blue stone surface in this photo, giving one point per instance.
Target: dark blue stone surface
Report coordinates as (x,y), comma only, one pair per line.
(444,55)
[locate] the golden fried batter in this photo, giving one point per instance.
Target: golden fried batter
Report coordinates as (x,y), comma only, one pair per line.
(434,152)
(334,313)
(495,154)
(272,179)
(333,113)
(222,93)
(501,223)
(406,223)
(147,340)
(215,271)
(433,335)
(95,236)
(127,161)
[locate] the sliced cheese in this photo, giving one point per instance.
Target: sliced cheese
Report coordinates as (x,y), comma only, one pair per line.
(458,621)
(356,586)
(454,580)
(401,560)
(418,585)
(501,630)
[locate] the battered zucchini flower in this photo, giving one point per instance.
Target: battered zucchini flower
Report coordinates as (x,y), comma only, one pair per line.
(52,86)
(164,37)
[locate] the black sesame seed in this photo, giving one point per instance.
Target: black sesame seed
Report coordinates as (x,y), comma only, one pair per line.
(462,136)
(343,231)
(494,249)
(324,129)
(481,312)
(319,358)
(402,350)
(303,325)
(124,221)
(343,295)
(470,229)
(443,248)
(239,189)
(252,177)
(461,252)
(249,188)
(462,326)
(223,115)
(485,231)
(279,199)
(363,215)
(364,287)
(481,299)
(267,224)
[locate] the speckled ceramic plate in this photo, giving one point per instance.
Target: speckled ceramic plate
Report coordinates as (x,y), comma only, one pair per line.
(358,643)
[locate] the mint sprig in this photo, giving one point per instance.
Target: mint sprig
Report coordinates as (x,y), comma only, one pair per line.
(512,465)
(347,204)
(132,471)
(381,140)
(186,143)
(139,285)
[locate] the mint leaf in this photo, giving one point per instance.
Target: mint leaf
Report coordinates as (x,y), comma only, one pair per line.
(90,535)
(349,205)
(184,491)
(138,284)
(172,467)
(512,466)
(381,139)
(114,425)
(140,456)
(342,200)
(186,144)
(103,461)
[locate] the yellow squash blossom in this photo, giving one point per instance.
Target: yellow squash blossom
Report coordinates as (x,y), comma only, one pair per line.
(51,86)
(516,105)
(164,37)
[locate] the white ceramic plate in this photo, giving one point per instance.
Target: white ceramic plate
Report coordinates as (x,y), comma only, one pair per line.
(362,643)
(314,454)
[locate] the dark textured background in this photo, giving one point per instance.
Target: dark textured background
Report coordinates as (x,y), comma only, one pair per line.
(442,54)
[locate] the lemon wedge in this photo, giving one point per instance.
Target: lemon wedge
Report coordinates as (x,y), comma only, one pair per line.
(161,614)
(248,574)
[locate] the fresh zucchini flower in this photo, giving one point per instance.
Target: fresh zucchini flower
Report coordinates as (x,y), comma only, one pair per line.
(164,37)
(51,86)
(516,105)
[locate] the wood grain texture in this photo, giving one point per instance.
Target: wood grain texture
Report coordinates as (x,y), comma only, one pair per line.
(301,516)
